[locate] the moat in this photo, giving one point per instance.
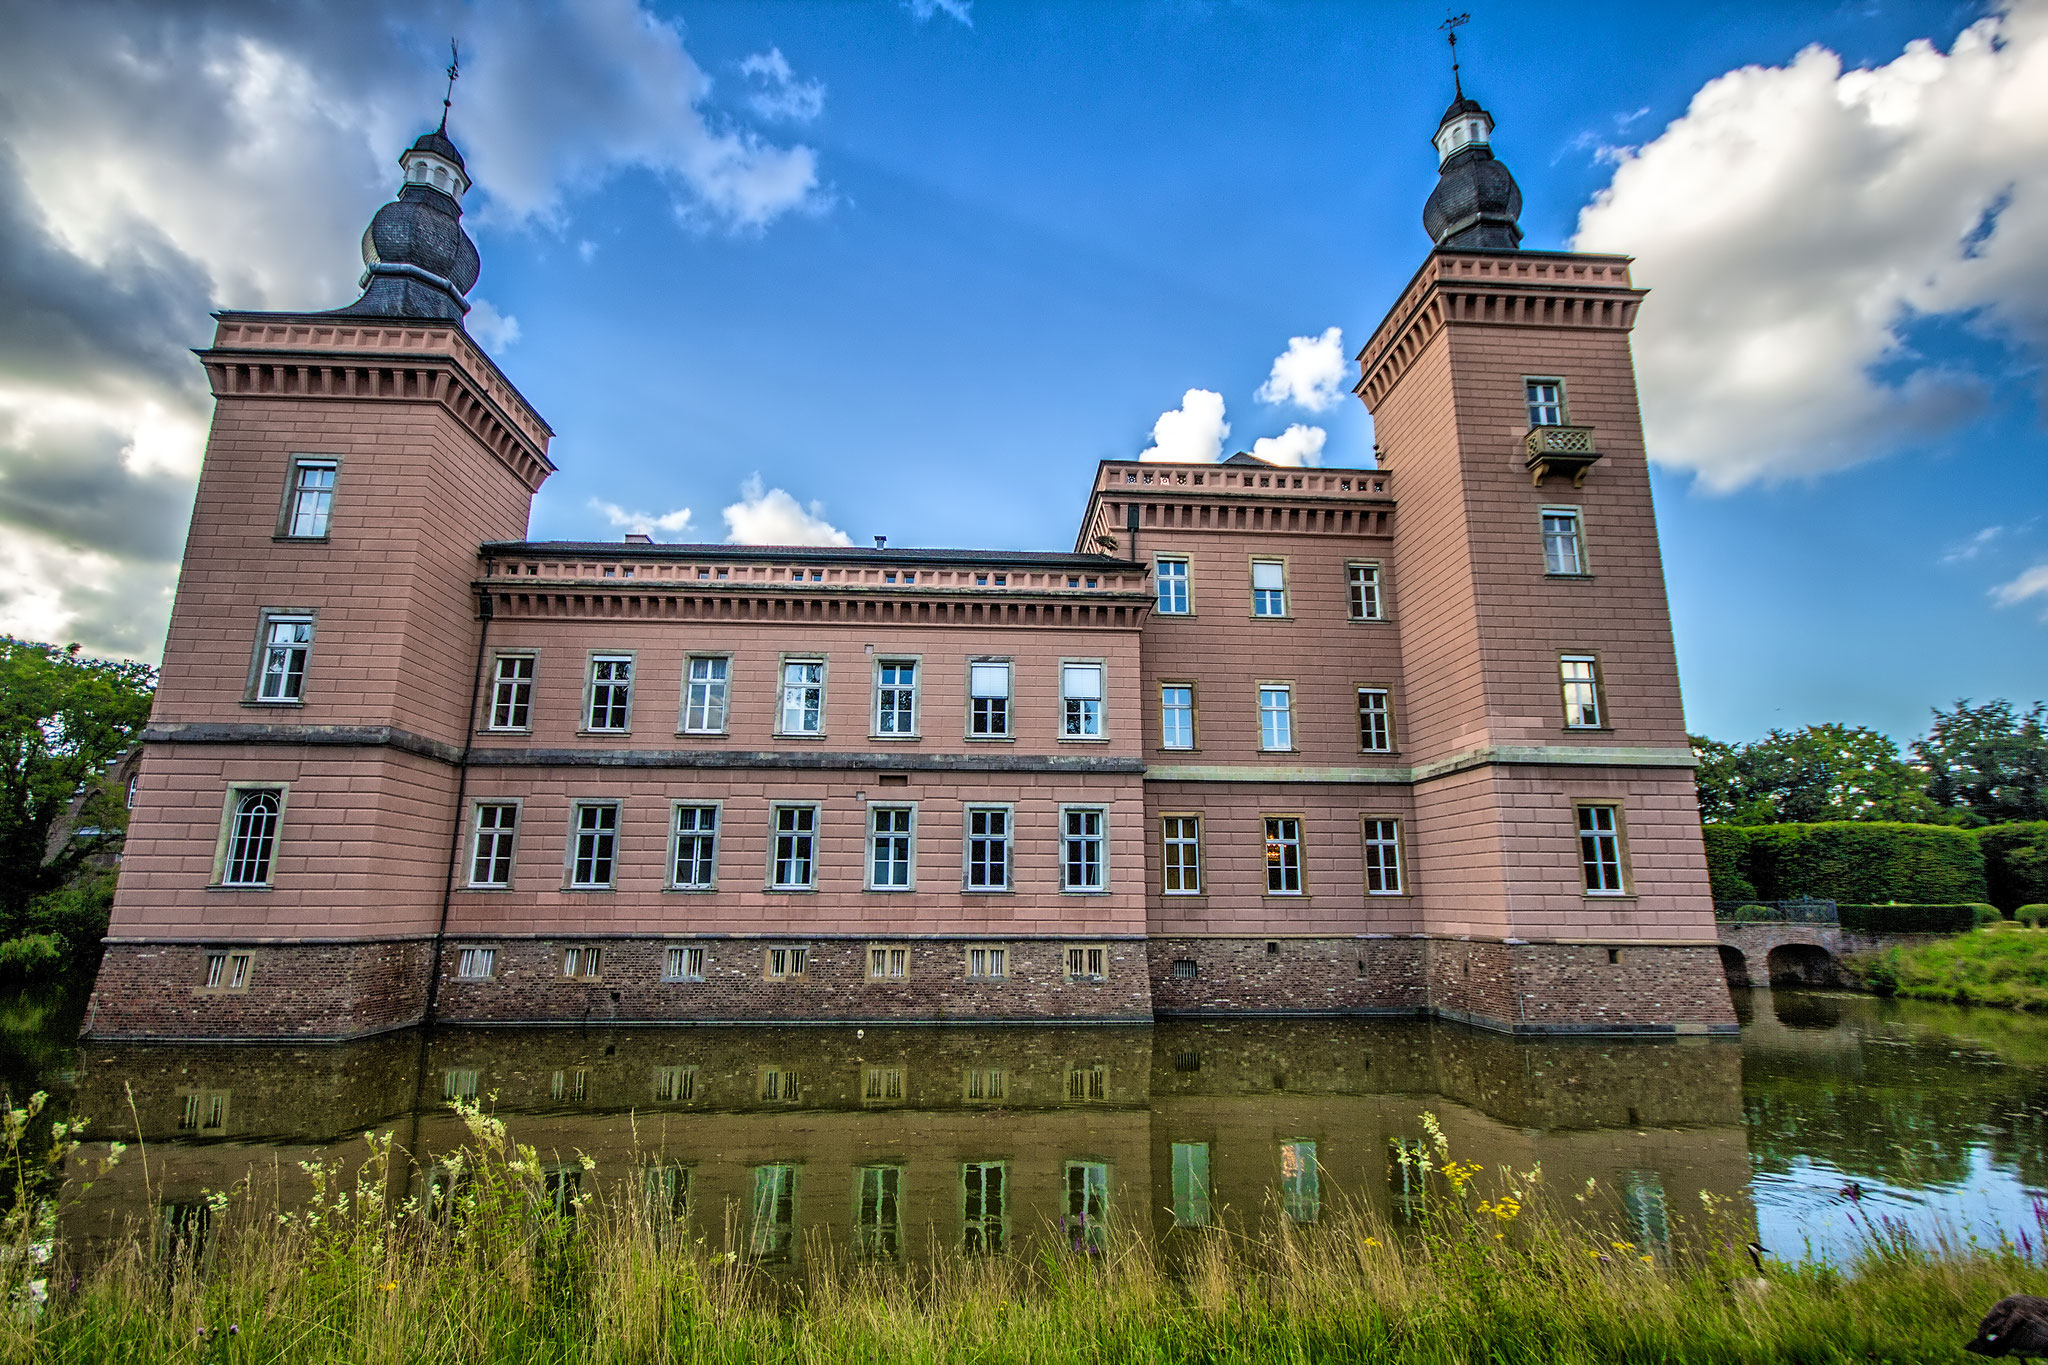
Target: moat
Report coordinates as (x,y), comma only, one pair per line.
(1830,1111)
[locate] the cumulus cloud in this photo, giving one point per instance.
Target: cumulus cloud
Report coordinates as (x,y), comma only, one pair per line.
(157,162)
(957,10)
(1310,373)
(642,523)
(1797,221)
(770,516)
(1191,433)
(1299,445)
(494,331)
(2028,586)
(777,94)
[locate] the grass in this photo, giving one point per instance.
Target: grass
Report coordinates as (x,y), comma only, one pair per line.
(1496,1269)
(2002,964)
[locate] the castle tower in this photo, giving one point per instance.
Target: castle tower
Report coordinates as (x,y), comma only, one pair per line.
(1556,840)
(288,859)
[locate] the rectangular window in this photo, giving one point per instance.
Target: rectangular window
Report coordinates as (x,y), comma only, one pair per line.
(878,1212)
(253,816)
(675,1084)
(1276,716)
(896,697)
(595,851)
(1364,583)
(887,963)
(988,963)
(476,964)
(683,964)
(1563,549)
(281,665)
(611,692)
(785,964)
(1546,402)
(1269,587)
(794,865)
(696,849)
(512,692)
(883,1085)
(1191,1184)
(460,1084)
(988,699)
(984,1211)
(781,1084)
(1176,716)
(772,1229)
(582,963)
(666,1186)
(1170,578)
(803,698)
(1375,721)
(1087,1222)
(889,848)
(1579,675)
(490,861)
(1081,695)
(1181,839)
(985,1084)
(1283,855)
(1082,848)
(988,848)
(1301,1195)
(227,971)
(1088,1084)
(704,704)
(311,501)
(1383,857)
(1087,962)
(1600,850)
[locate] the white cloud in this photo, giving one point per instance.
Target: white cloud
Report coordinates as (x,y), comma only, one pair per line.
(2029,585)
(958,10)
(1310,373)
(1972,547)
(1192,433)
(494,331)
(643,523)
(772,517)
(1797,220)
(777,93)
(1299,445)
(586,251)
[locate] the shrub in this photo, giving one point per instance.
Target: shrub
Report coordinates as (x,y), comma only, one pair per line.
(32,957)
(1865,862)
(1912,919)
(1728,862)
(2033,916)
(1988,914)
(2016,863)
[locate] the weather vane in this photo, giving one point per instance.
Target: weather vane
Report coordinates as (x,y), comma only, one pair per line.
(455,74)
(1450,29)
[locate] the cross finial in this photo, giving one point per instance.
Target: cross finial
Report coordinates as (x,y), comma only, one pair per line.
(1450,27)
(454,74)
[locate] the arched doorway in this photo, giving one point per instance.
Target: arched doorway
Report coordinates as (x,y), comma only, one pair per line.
(1801,964)
(1735,965)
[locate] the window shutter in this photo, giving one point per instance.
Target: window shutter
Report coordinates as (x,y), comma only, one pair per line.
(1266,576)
(1081,682)
(988,680)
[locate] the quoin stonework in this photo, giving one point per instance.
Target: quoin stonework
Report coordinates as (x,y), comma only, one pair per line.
(1404,740)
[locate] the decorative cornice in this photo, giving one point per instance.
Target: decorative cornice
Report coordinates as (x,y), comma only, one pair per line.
(825,604)
(316,736)
(1546,755)
(1169,497)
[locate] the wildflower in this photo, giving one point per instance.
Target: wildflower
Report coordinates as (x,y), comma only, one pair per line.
(1623,1246)
(387,1288)
(1646,1259)
(1372,1241)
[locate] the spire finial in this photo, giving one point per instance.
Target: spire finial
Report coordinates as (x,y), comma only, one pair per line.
(1450,27)
(455,74)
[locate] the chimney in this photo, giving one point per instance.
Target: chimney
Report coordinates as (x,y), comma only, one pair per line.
(881,542)
(637,538)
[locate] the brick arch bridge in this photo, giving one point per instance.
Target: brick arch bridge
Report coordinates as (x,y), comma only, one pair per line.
(1797,953)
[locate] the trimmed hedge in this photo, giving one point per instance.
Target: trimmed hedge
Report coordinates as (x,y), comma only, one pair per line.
(1865,862)
(1913,919)
(2033,916)
(2016,863)
(1727,859)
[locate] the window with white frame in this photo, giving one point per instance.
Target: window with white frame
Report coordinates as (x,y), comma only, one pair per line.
(705,702)
(1363,582)
(685,963)
(1081,698)
(1170,578)
(476,964)
(582,963)
(1176,715)
(1563,544)
(984,1208)
(793,864)
(1087,962)
(1181,849)
(1283,855)
(1579,675)
(988,848)
(594,852)
(888,962)
(672,1085)
(310,503)
(889,847)
(1088,1204)
(896,697)
(988,699)
(1082,848)
(988,962)
(286,647)
(1382,857)
(1600,850)
(1269,587)
(1546,402)
(611,692)
(512,692)
(878,1213)
(803,697)
(227,971)
(1276,716)
(1375,720)
(490,854)
(696,848)
(252,836)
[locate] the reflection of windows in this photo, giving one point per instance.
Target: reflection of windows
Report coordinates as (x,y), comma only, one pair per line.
(1642,1204)
(772,1229)
(1081,698)
(666,1185)
(1283,855)
(1181,844)
(1301,1197)
(878,1212)
(985,1084)
(675,1084)
(984,1213)
(988,699)
(1191,1184)
(1087,1084)
(882,1085)
(781,1084)
(1408,1177)
(1088,1204)
(185,1231)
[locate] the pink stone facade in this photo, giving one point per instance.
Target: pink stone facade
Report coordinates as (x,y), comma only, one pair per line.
(493,772)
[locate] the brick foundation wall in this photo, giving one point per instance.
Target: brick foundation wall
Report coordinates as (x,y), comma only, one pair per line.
(1304,976)
(317,991)
(1581,988)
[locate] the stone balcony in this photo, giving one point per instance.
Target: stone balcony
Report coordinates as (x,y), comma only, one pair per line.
(1569,451)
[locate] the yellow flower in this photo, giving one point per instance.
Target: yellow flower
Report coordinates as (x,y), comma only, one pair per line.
(1372,1241)
(1648,1258)
(1623,1246)
(387,1288)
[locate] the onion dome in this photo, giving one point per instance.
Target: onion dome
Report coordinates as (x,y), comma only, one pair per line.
(1475,202)
(419,262)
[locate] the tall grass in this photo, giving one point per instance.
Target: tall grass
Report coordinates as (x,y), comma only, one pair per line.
(492,1267)
(2005,965)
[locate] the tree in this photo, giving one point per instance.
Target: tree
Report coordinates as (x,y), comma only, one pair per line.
(1822,772)
(1990,761)
(63,718)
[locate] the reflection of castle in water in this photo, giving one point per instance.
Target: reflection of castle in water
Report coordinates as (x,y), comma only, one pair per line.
(896,1140)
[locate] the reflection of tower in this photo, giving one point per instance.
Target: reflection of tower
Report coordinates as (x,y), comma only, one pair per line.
(288,857)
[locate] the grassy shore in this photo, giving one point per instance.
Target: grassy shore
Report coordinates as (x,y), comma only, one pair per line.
(1497,1269)
(2004,964)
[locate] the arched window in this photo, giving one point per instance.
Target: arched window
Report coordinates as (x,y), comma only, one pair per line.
(252,839)
(419,170)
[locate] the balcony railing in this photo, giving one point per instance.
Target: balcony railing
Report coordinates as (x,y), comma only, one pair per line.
(1559,450)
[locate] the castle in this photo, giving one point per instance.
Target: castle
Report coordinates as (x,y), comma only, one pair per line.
(1403,740)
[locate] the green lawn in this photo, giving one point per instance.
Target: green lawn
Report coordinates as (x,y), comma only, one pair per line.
(2004,964)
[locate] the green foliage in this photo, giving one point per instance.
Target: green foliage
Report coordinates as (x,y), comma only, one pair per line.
(2016,862)
(2033,916)
(76,913)
(1728,862)
(2002,966)
(32,958)
(1988,914)
(1914,919)
(1821,772)
(1990,761)
(1866,862)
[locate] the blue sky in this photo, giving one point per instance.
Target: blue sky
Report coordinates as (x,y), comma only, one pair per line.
(1016,241)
